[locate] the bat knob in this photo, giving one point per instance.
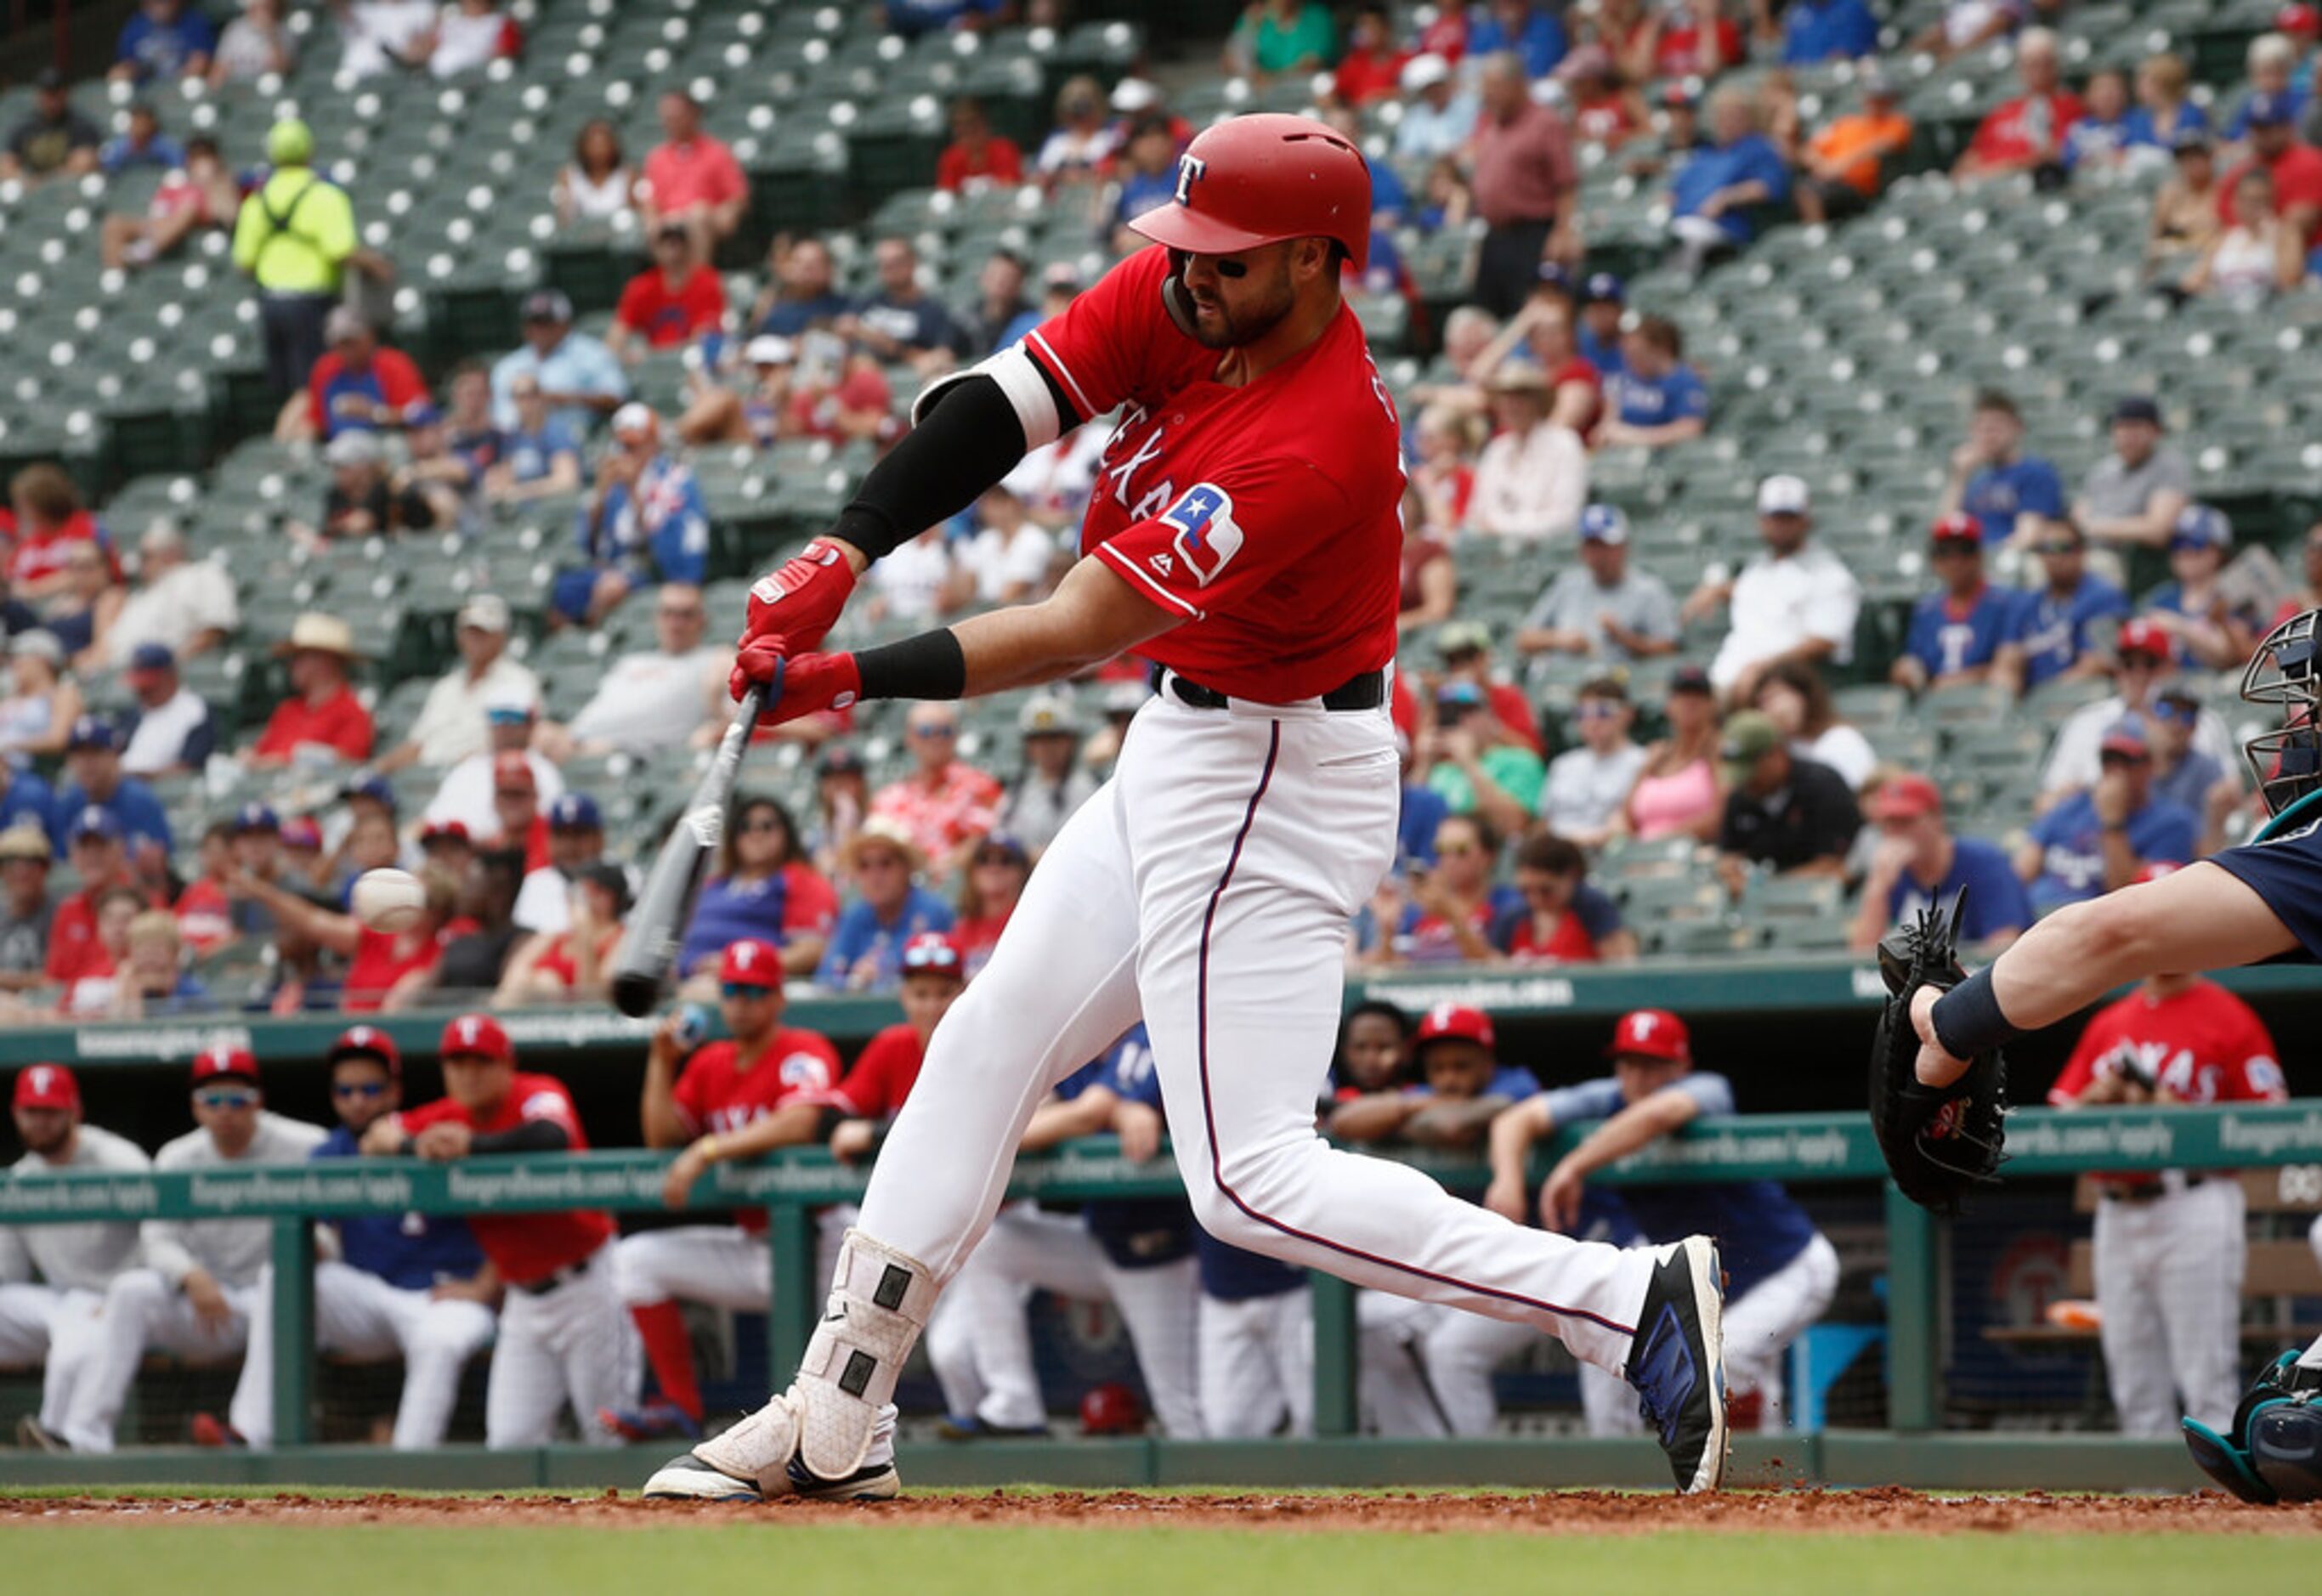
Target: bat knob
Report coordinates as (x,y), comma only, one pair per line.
(635,993)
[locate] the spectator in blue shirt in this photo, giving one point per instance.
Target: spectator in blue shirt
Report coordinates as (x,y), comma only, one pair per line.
(1991,478)
(1148,176)
(646,523)
(1655,398)
(165,39)
(1918,863)
(1523,26)
(2163,82)
(2100,839)
(143,145)
(93,763)
(539,455)
(2061,632)
(580,377)
(2110,127)
(2192,605)
(890,908)
(800,298)
(1956,631)
(1602,301)
(1710,198)
(2182,773)
(26,798)
(2272,66)
(1818,31)
(902,322)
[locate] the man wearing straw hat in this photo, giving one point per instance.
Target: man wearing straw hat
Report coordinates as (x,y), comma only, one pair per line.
(322,711)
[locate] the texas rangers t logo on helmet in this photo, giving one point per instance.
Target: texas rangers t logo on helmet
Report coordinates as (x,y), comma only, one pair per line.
(1207,538)
(1191,169)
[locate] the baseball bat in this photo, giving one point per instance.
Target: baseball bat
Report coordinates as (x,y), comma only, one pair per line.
(657,927)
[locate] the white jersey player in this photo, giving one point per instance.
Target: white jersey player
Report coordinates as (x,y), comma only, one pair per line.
(1245,539)
(53,1277)
(204,1280)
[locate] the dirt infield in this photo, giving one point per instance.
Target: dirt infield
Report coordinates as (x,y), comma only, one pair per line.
(1884,1511)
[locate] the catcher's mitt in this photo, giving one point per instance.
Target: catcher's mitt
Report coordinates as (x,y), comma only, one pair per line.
(1938,1140)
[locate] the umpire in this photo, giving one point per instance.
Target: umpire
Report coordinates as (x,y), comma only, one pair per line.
(296,235)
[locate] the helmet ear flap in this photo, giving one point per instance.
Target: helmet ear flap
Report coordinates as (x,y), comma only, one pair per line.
(1175,298)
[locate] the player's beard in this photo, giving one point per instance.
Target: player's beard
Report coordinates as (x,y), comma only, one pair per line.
(1216,327)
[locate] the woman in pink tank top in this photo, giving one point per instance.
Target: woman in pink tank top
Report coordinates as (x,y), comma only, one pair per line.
(1677,791)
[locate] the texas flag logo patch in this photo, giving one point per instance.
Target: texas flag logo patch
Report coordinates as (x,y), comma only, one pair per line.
(1206,539)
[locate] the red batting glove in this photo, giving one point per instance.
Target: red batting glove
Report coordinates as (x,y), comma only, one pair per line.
(801,602)
(810,683)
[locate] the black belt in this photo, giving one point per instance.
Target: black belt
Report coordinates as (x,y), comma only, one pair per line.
(1365,691)
(555,1278)
(2124,1192)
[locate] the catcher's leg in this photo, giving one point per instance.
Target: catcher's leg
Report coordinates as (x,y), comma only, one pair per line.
(1059,990)
(2201,917)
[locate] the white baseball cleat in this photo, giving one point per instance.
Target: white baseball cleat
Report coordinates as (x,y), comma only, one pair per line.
(689,1479)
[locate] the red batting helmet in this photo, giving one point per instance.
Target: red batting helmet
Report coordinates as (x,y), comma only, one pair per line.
(367,1042)
(1455,1022)
(1259,179)
(477,1035)
(46,1086)
(1111,1410)
(1651,1034)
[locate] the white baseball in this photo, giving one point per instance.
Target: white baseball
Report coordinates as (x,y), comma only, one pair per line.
(389,900)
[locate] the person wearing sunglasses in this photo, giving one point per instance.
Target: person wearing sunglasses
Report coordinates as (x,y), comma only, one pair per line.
(944,803)
(204,1281)
(2147,662)
(1588,783)
(409,1286)
(767,1085)
(2187,775)
(2057,632)
(763,886)
(2098,841)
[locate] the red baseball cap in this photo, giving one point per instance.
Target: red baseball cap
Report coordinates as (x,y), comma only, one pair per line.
(367,1042)
(1956,529)
(752,963)
(1906,797)
(2297,18)
(1452,1020)
(931,950)
(435,829)
(2126,736)
(236,1062)
(47,1086)
(512,773)
(2147,637)
(477,1035)
(299,831)
(1651,1034)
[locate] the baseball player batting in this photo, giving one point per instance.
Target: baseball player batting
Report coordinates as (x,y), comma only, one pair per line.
(2245,906)
(1243,536)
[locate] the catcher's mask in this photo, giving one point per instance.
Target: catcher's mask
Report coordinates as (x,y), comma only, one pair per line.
(2286,670)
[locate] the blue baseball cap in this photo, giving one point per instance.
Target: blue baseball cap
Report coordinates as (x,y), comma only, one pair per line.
(2201,526)
(575,811)
(1603,524)
(1602,289)
(2270,110)
(1553,276)
(1460,694)
(421,413)
(151,656)
(93,731)
(95,820)
(370,785)
(256,816)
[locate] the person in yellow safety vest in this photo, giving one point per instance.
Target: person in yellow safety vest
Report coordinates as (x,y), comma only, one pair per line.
(296,236)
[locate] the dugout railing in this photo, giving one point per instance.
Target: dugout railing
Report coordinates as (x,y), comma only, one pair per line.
(1798,1149)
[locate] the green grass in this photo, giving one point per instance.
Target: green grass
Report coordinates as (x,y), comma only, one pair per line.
(811,1559)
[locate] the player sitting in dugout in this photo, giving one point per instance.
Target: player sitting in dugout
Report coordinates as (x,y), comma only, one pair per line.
(1781,1272)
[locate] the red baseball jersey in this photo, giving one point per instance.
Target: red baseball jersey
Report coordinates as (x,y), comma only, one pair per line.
(716,1093)
(2202,1045)
(1266,514)
(883,1074)
(526,1247)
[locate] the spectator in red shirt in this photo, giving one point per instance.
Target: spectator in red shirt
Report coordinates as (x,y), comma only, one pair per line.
(574,965)
(2028,132)
(1525,184)
(945,803)
(322,711)
(48,522)
(385,970)
(358,385)
(889,1064)
(842,405)
(692,178)
(1564,920)
(976,158)
(99,857)
(2296,168)
(996,873)
(1465,649)
(1692,39)
(675,300)
(1372,66)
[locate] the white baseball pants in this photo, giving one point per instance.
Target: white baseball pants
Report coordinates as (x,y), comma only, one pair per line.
(1761,1323)
(360,1316)
(1257,1362)
(569,1345)
(57,1329)
(2169,1286)
(981,1345)
(723,1265)
(1206,888)
(144,1310)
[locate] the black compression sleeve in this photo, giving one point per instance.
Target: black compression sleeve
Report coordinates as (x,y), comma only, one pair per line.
(969,439)
(533,1136)
(928,666)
